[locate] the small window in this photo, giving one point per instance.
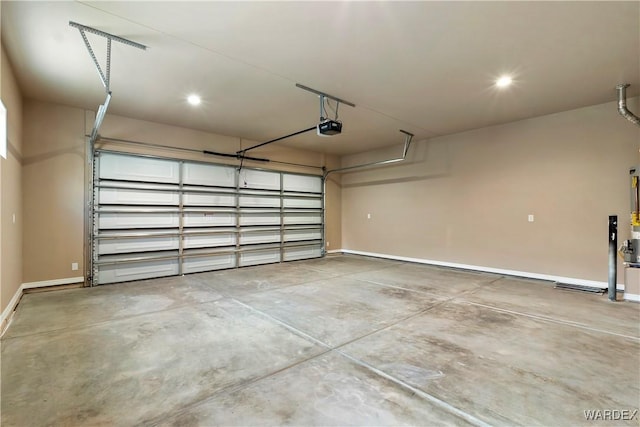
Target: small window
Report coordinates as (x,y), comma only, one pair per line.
(3,131)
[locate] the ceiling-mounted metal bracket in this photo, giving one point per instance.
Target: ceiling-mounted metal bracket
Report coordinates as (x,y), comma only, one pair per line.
(105,76)
(102,111)
(323,96)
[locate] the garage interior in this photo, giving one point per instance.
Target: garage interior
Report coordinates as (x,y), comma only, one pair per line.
(312,213)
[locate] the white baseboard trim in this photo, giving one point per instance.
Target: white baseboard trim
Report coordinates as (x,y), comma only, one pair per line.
(631,297)
(528,275)
(55,282)
(335,251)
(9,309)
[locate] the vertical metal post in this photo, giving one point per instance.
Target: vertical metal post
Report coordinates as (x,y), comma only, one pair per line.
(181,218)
(108,76)
(95,218)
(281,217)
(323,251)
(237,173)
(88,213)
(613,262)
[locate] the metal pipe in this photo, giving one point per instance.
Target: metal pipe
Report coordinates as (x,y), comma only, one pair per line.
(622,104)
(407,143)
(613,262)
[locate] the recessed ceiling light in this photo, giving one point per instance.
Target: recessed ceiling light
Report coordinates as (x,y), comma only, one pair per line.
(504,81)
(194,100)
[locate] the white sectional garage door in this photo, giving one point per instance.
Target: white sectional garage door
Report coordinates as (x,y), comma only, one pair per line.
(158,217)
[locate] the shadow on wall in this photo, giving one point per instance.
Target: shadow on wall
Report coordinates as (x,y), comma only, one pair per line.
(78,150)
(426,160)
(11,149)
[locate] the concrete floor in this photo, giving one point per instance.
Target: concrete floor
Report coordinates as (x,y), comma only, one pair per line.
(342,340)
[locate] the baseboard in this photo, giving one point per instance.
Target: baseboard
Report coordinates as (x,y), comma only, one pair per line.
(335,251)
(526,274)
(631,297)
(54,282)
(5,317)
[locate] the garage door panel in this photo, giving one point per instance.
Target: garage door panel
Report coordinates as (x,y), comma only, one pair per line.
(260,218)
(209,241)
(302,218)
(302,203)
(295,253)
(257,257)
(200,199)
(250,178)
(142,244)
(132,220)
(258,201)
(136,271)
(193,216)
(208,263)
(209,175)
(299,235)
(118,196)
(131,168)
(302,183)
(209,219)
(254,237)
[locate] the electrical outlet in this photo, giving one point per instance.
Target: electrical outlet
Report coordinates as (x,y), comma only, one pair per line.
(14,218)
(368,216)
(74,266)
(530,218)
(327,244)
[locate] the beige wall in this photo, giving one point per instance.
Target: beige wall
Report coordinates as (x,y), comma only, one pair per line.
(53,185)
(54,176)
(11,188)
(465,198)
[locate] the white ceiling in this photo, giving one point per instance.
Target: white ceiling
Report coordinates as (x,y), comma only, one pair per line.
(426,67)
